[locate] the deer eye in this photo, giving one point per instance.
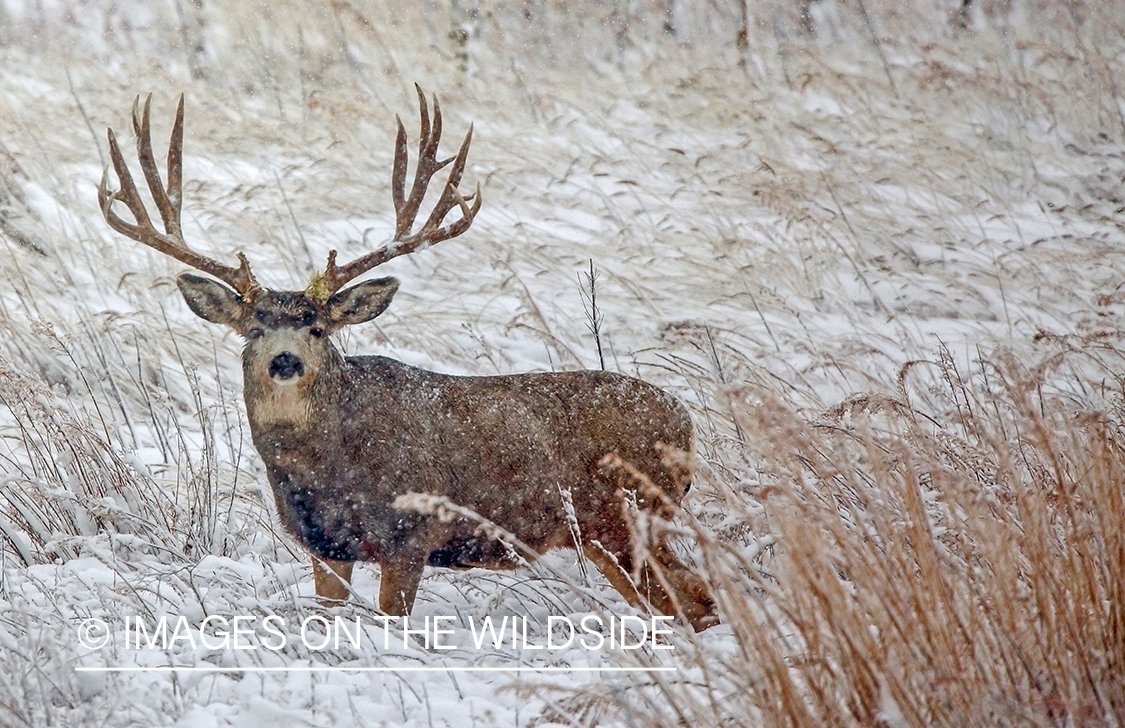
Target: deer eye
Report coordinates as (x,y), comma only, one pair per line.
(255,333)
(316,331)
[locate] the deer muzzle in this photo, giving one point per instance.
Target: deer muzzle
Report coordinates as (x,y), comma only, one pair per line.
(286,366)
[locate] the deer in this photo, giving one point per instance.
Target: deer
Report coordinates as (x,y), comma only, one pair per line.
(554,460)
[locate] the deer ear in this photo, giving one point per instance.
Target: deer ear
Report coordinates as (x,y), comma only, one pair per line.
(362,302)
(210,300)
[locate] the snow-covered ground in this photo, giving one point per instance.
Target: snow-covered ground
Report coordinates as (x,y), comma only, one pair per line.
(803,218)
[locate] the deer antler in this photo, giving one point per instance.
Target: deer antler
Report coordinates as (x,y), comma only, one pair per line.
(168,202)
(323,285)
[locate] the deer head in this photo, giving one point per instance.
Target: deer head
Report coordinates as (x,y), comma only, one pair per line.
(287,332)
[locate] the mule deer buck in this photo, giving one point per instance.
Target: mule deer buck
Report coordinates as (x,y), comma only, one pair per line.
(343,437)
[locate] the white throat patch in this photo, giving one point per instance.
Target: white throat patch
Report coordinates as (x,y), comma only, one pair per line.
(281,405)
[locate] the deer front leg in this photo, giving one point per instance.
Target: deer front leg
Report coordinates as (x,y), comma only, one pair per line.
(398,584)
(331,579)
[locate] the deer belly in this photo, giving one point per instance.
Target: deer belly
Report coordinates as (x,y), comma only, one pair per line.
(467,551)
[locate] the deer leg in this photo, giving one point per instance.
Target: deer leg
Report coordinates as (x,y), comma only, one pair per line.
(648,595)
(398,584)
(690,596)
(331,579)
(614,572)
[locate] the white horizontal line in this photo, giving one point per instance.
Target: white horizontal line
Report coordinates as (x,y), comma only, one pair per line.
(326,668)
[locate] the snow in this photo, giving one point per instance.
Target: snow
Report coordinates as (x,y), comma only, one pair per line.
(809,241)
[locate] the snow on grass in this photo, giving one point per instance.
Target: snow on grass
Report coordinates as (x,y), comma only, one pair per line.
(804,243)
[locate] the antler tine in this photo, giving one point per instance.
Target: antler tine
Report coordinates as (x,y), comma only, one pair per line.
(168,201)
(169,214)
(428,164)
(406,206)
(449,196)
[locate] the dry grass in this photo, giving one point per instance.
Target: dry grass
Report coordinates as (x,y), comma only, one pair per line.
(781,232)
(961,574)
(952,567)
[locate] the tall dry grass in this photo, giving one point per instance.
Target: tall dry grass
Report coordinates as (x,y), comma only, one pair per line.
(944,553)
(958,560)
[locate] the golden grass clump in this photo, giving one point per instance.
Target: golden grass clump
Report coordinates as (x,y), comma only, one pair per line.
(964,566)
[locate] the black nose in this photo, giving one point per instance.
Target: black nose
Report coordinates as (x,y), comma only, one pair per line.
(285,365)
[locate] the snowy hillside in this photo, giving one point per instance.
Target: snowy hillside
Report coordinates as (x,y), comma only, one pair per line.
(895,229)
